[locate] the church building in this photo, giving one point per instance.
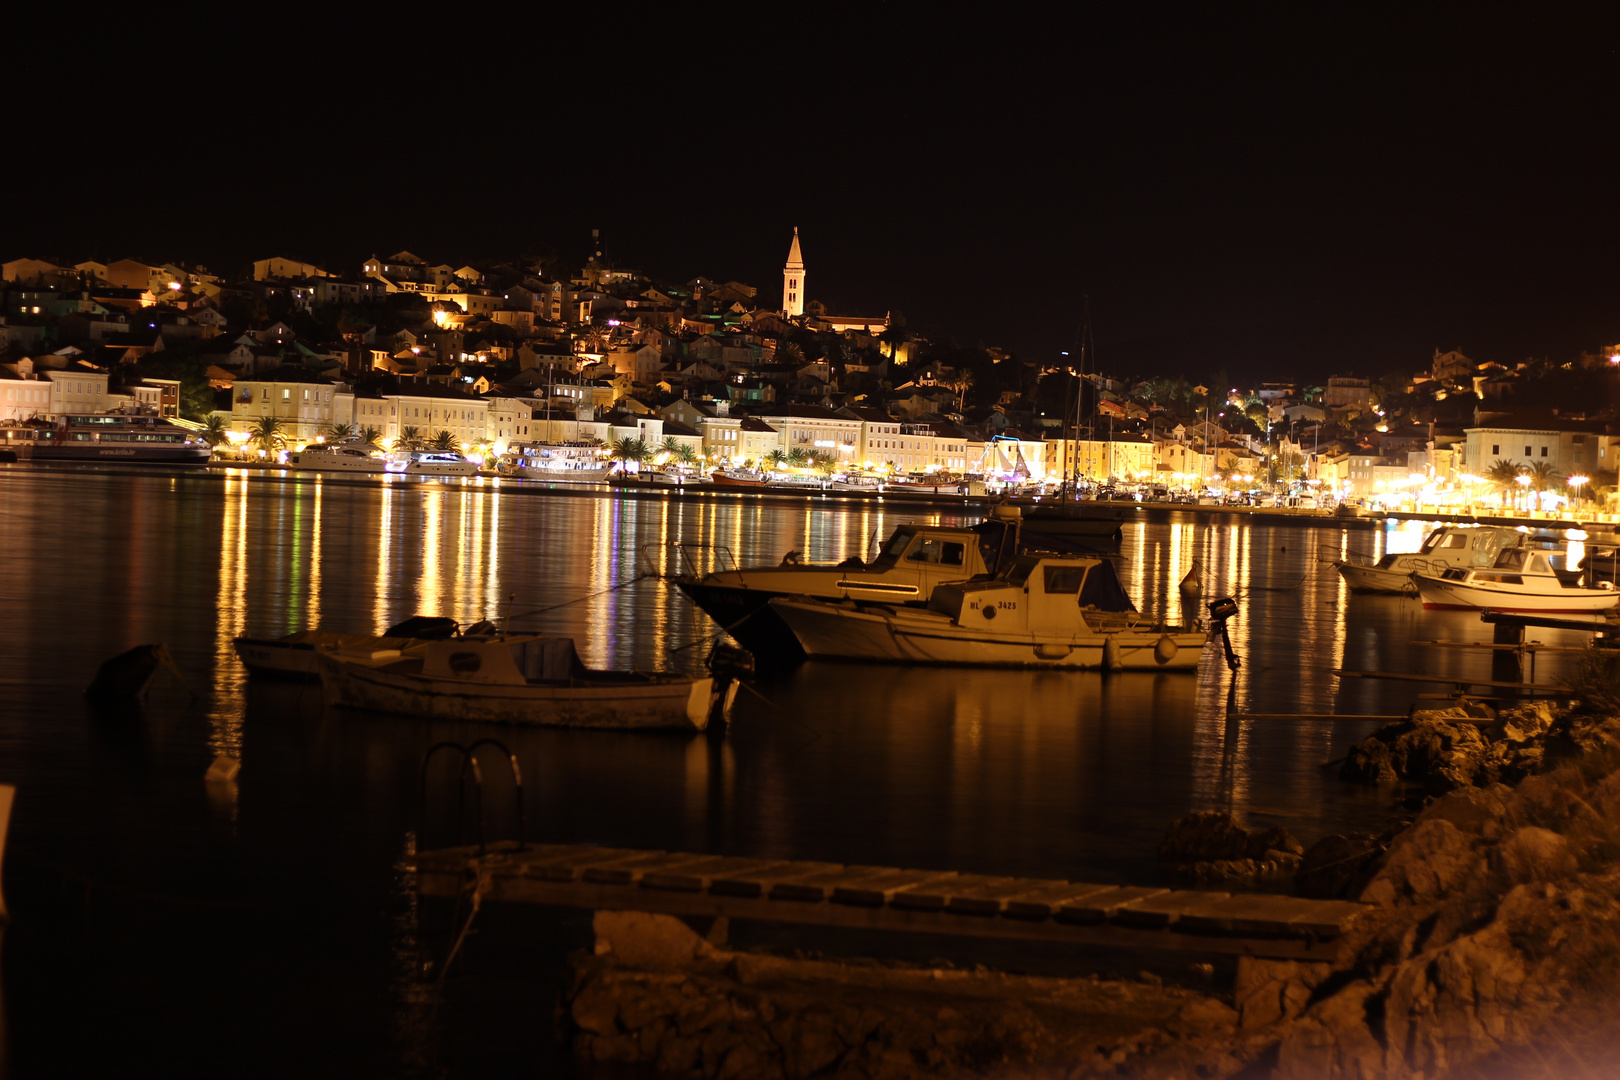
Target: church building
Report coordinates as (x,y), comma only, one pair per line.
(793,280)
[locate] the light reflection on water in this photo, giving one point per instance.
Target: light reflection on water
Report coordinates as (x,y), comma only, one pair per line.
(1037,773)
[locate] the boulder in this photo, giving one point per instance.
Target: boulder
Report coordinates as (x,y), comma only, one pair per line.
(1210,848)
(1270,991)
(1440,750)
(1426,863)
(1534,854)
(1204,835)
(1337,866)
(645,940)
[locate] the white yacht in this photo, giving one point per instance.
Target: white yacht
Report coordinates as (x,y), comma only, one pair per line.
(341,457)
(1060,611)
(430,463)
(1522,579)
(1447,547)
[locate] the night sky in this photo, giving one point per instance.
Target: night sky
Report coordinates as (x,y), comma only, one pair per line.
(1273,195)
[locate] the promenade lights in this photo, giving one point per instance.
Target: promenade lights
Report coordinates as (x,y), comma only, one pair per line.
(1523,480)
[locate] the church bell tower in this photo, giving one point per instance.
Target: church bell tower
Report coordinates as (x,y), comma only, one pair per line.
(793,280)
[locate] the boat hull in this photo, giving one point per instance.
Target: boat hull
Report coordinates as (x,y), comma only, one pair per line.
(885,635)
(662,702)
(123,454)
(1372,579)
(1440,594)
(565,476)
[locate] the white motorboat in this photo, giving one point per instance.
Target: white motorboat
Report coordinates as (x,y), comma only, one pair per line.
(912,563)
(520,679)
(1446,548)
(1523,579)
(1060,611)
(431,463)
(293,656)
(341,457)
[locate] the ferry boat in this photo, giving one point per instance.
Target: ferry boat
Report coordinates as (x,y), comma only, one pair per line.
(111,437)
(1521,579)
(1041,611)
(341,457)
(1446,547)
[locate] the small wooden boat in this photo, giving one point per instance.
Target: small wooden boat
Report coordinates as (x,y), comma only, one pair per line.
(1047,611)
(520,679)
(293,656)
(730,480)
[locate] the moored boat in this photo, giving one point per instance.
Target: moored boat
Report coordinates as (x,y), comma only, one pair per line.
(1042,611)
(725,479)
(293,655)
(110,437)
(431,463)
(341,457)
(1444,548)
(1521,579)
(519,679)
(559,463)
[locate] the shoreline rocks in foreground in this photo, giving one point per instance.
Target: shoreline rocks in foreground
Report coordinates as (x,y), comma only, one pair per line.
(1490,947)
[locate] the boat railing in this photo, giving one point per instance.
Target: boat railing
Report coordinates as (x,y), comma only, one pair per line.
(686,558)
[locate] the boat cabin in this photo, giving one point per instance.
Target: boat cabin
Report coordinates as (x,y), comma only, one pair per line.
(1514,565)
(506,661)
(1038,594)
(1456,546)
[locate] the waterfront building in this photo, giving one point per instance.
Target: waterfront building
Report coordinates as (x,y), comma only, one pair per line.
(1115,456)
(306,403)
(812,428)
(1531,438)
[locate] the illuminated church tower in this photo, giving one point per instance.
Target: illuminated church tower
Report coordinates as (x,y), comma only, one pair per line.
(793,280)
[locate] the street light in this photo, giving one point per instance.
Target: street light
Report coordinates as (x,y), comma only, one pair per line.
(1523,480)
(1578,482)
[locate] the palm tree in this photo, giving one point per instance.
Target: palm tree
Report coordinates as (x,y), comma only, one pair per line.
(410,438)
(776,458)
(960,380)
(443,442)
(825,464)
(370,434)
(341,431)
(1544,477)
(1503,475)
(214,427)
(267,434)
(685,454)
(630,450)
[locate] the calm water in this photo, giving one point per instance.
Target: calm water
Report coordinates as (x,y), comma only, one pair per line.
(262,930)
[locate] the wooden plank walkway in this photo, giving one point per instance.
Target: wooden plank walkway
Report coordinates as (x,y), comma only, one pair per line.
(890,898)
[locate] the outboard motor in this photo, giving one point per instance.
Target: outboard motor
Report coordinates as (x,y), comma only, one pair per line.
(1219,611)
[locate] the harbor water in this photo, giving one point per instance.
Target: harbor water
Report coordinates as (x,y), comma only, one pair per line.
(263,928)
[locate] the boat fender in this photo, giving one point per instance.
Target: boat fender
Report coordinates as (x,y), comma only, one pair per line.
(1112,660)
(1165,650)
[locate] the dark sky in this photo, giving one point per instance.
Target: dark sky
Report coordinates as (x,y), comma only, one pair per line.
(1275,195)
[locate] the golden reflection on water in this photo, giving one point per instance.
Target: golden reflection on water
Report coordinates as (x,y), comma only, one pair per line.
(230,606)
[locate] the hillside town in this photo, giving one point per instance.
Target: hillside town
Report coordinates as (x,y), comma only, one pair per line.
(400,352)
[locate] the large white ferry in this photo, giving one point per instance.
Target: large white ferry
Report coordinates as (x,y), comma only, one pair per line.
(111,437)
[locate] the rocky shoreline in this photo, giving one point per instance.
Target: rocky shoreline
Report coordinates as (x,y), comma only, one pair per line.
(1490,947)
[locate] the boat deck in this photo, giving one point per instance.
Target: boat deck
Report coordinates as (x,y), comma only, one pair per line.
(891,898)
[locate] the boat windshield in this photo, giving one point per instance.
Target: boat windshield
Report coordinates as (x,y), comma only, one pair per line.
(1445,539)
(893,548)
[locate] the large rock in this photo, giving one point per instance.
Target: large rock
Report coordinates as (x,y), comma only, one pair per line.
(1338,866)
(1335,1040)
(1534,854)
(1426,863)
(1270,991)
(1210,848)
(1442,750)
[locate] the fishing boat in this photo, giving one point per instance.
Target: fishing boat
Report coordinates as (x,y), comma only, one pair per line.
(341,457)
(913,562)
(1039,611)
(524,679)
(112,437)
(293,656)
(1523,579)
(1445,548)
(737,480)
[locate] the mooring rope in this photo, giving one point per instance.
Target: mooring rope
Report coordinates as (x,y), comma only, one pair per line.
(580,599)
